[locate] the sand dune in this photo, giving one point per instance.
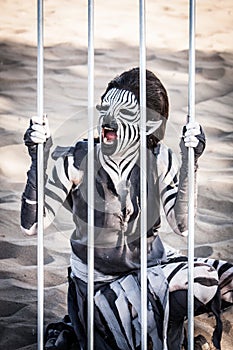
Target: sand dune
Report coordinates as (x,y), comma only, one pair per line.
(116,43)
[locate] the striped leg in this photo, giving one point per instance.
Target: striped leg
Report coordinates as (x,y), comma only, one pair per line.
(117,320)
(206,297)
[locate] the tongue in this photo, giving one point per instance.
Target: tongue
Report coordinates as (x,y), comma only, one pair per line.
(110,135)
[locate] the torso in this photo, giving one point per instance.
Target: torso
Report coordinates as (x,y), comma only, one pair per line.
(117,218)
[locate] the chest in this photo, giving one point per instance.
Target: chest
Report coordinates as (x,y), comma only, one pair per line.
(116,199)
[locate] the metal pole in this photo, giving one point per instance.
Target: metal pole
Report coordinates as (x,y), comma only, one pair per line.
(90,318)
(191,176)
(40,182)
(143,170)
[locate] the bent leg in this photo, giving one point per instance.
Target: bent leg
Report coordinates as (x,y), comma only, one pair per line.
(117,314)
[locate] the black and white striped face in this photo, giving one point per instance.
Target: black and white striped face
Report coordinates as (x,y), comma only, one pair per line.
(119,122)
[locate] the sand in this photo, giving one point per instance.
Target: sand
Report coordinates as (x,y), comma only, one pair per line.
(116,49)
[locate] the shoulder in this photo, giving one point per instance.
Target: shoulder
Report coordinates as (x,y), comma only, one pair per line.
(62,152)
(80,153)
(81,150)
(74,159)
(77,152)
(69,159)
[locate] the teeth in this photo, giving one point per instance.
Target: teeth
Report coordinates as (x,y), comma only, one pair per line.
(106,128)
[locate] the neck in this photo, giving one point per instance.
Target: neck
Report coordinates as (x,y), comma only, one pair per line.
(119,166)
(129,155)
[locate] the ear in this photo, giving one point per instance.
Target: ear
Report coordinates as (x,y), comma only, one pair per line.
(152,125)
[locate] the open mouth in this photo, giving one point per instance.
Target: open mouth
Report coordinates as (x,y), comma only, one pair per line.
(109,135)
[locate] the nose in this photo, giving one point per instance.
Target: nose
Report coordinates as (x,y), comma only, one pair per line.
(110,121)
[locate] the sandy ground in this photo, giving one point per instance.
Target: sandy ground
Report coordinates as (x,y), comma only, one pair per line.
(116,49)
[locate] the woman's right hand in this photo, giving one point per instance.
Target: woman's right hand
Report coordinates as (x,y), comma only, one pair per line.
(38,131)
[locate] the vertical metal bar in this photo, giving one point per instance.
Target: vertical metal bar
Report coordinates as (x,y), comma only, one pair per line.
(40,181)
(143,180)
(90,318)
(191,176)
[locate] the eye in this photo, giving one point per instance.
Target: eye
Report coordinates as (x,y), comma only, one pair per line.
(127,112)
(102,108)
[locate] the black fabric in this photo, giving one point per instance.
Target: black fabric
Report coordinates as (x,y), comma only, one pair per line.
(28,214)
(29,211)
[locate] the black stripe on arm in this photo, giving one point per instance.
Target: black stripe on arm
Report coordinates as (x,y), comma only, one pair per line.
(166,189)
(175,180)
(50,209)
(169,198)
(169,162)
(56,181)
(54,196)
(66,165)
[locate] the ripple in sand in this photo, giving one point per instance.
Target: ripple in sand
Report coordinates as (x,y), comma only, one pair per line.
(26,255)
(8,308)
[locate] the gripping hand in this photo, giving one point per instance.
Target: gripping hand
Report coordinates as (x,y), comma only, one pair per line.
(193,136)
(38,131)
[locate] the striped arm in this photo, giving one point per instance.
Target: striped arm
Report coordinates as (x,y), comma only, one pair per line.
(63,177)
(173,182)
(168,172)
(58,186)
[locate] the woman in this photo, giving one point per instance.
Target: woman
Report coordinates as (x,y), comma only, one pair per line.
(117,210)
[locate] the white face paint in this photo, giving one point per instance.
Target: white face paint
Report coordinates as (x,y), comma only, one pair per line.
(119,122)
(152,126)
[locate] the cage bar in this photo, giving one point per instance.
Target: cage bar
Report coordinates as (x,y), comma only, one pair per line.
(90,294)
(40,180)
(191,176)
(143,171)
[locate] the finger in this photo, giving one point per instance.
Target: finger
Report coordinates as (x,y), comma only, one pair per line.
(193,128)
(40,129)
(191,141)
(45,119)
(37,137)
(190,138)
(46,125)
(36,120)
(192,132)
(192,125)
(41,125)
